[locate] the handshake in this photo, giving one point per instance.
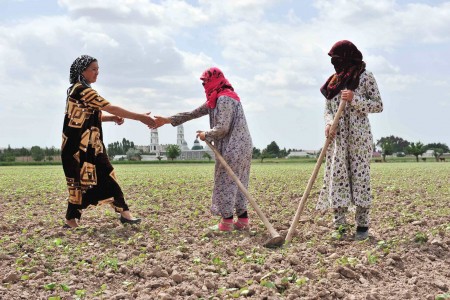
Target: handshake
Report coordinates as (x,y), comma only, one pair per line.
(151,123)
(159,121)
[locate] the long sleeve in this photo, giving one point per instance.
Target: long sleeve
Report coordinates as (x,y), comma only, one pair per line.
(180,118)
(367,99)
(224,118)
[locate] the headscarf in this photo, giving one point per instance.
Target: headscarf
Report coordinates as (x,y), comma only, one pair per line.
(216,85)
(348,64)
(77,68)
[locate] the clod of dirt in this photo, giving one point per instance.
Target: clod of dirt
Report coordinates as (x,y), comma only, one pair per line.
(11,277)
(178,278)
(346,272)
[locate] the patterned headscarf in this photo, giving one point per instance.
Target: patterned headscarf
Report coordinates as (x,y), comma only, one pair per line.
(348,64)
(216,85)
(78,66)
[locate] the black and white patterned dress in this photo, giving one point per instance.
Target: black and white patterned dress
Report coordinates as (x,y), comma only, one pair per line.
(347,170)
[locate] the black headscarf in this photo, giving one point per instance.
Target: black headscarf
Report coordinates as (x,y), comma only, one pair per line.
(348,64)
(77,68)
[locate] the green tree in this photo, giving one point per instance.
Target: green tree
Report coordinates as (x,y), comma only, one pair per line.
(264,154)
(442,146)
(114,149)
(416,149)
(7,157)
(273,149)
(397,143)
(386,149)
(24,152)
(173,151)
(49,153)
(437,152)
(284,152)
(120,148)
(126,145)
(37,153)
(133,154)
(206,155)
(256,152)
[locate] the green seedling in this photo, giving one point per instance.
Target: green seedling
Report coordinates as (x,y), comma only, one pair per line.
(420,238)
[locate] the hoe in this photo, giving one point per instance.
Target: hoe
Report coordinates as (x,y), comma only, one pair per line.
(311,181)
(276,240)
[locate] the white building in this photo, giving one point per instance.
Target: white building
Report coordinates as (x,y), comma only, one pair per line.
(181,142)
(154,142)
(428,153)
(155,149)
(303,153)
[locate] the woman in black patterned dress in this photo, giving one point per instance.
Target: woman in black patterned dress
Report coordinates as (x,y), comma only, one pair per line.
(90,176)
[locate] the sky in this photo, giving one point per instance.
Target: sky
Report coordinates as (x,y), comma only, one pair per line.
(274,53)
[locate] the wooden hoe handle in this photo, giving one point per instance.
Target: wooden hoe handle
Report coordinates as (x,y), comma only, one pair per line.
(311,181)
(233,176)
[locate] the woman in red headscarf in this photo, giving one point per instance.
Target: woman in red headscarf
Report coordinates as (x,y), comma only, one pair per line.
(347,172)
(230,134)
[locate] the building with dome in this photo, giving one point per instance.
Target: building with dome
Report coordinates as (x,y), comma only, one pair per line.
(155,150)
(197,145)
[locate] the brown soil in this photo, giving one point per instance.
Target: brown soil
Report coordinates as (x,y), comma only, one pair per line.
(171,256)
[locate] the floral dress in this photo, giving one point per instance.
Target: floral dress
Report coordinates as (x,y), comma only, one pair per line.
(231,137)
(347,171)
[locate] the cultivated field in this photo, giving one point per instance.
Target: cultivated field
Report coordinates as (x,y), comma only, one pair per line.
(172,255)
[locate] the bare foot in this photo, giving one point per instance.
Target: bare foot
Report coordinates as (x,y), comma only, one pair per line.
(127,215)
(72,223)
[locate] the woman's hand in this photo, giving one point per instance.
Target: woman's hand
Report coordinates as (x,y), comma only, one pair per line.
(201,135)
(160,121)
(147,120)
(347,95)
(329,132)
(118,120)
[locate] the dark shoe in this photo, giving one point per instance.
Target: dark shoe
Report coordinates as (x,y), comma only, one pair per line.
(362,233)
(128,221)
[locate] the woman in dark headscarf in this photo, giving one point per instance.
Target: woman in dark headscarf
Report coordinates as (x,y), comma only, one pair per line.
(90,176)
(347,172)
(230,134)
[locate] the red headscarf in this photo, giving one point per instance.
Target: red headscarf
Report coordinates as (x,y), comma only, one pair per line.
(216,85)
(348,64)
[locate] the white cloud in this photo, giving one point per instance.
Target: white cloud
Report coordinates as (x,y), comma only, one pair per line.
(152,53)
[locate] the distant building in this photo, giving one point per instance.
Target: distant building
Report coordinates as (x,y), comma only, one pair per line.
(302,153)
(143,149)
(197,152)
(428,153)
(156,150)
(180,138)
(197,145)
(376,154)
(154,142)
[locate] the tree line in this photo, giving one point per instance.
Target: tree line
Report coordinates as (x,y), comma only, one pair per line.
(37,153)
(395,145)
(271,151)
(389,145)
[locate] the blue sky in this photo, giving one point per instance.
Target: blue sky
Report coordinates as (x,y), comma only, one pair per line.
(151,54)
